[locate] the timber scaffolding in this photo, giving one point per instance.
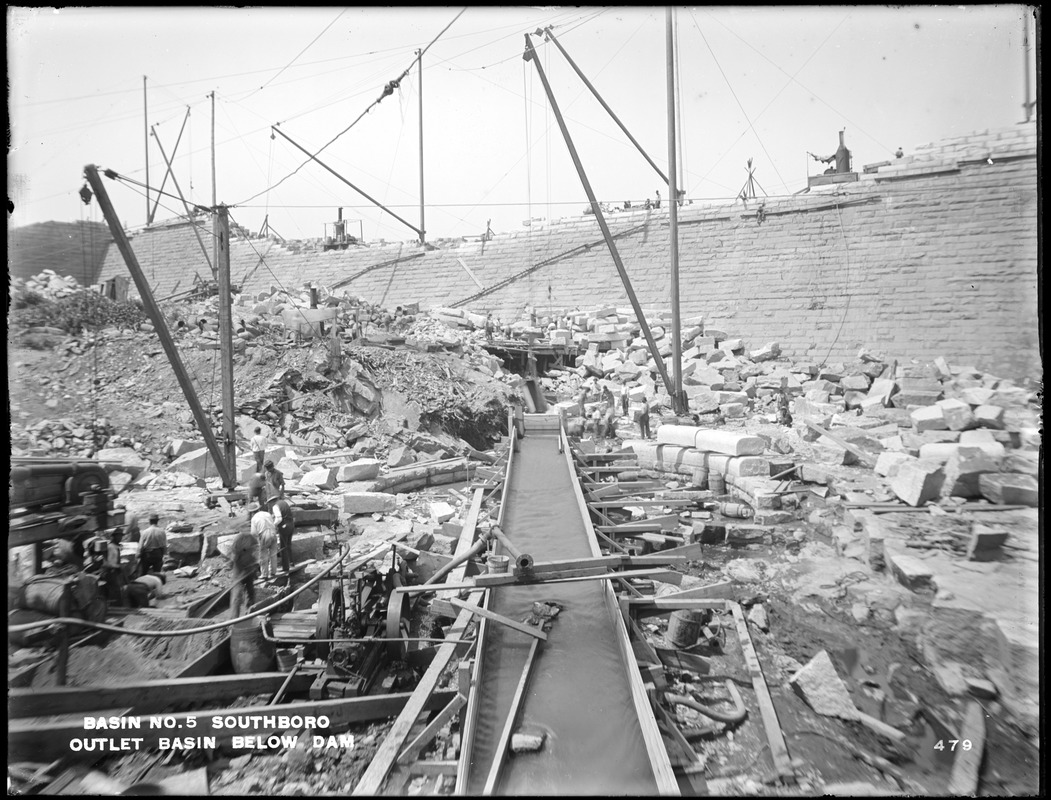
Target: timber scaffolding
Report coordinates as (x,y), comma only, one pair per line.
(590,688)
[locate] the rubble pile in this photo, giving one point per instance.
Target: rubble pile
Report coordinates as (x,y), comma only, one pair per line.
(51,305)
(48,285)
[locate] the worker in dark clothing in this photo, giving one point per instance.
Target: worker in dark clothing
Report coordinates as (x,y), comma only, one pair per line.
(624,401)
(644,420)
(275,483)
(153,544)
(112,571)
(286,526)
(245,558)
(256,492)
(489,327)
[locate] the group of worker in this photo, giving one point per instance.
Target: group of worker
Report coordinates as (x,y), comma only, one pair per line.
(603,419)
(269,536)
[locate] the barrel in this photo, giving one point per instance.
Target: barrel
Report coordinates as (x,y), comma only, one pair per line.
(738,510)
(498,563)
(717,483)
(249,651)
(684,627)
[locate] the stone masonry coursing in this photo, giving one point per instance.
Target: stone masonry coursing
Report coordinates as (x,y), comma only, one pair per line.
(931,255)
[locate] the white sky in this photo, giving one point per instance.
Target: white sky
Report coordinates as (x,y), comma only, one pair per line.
(766,83)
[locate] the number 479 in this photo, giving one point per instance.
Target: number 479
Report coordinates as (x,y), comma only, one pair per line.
(965,744)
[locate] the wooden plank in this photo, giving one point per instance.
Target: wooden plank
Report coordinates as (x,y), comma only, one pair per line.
(722,590)
(775,738)
(663,774)
(528,630)
(470,726)
(965,767)
(424,738)
(372,780)
(509,723)
(865,458)
(433,767)
(653,502)
(611,561)
(594,573)
(466,540)
(40,740)
(664,522)
(663,604)
(149,695)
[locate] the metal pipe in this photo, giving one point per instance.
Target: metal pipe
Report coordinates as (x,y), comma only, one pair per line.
(226,346)
(594,91)
(185,205)
(677,398)
(523,560)
(368,197)
(156,316)
(530,55)
(475,549)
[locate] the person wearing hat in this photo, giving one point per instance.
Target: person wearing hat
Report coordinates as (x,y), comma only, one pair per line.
(258,445)
(245,558)
(286,526)
(274,481)
(152,546)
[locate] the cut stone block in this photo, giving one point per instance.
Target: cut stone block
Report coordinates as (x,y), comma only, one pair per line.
(184,544)
(928,418)
(976,395)
(855,383)
(369,503)
(888,462)
(989,417)
(1009,488)
(820,686)
(307,545)
(364,469)
(749,466)
(442,512)
(198,463)
(911,397)
(767,352)
(958,415)
(176,448)
(1025,461)
(911,573)
(963,470)
(400,456)
(918,481)
(321,478)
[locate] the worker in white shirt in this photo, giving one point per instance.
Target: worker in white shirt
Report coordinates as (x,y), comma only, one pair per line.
(258,445)
(265,531)
(145,588)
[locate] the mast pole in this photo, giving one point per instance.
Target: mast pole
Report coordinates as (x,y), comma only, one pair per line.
(678,399)
(146,142)
(423,229)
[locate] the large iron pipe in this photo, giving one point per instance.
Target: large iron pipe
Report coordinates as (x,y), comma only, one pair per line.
(523,560)
(476,549)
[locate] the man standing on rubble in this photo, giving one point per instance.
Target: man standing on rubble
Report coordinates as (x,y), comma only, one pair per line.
(644,420)
(286,526)
(264,529)
(245,568)
(258,445)
(274,482)
(152,546)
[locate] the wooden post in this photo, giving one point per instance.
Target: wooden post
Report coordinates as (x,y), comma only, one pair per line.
(226,350)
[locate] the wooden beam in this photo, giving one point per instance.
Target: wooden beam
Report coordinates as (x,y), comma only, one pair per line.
(372,780)
(509,724)
(148,696)
(409,754)
(663,522)
(528,630)
(963,781)
(470,523)
(587,573)
(624,560)
(774,737)
(653,502)
(432,767)
(865,458)
(40,740)
(664,604)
